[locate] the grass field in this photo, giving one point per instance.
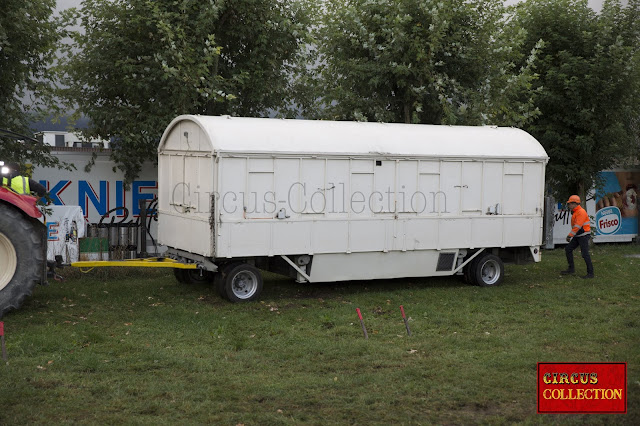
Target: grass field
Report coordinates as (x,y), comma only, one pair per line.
(136,347)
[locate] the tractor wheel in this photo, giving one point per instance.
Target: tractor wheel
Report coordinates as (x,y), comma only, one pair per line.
(21,257)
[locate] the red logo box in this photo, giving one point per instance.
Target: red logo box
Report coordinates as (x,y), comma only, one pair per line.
(582,387)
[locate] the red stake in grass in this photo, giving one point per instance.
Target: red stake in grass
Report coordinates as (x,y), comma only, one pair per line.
(406,323)
(4,348)
(364,329)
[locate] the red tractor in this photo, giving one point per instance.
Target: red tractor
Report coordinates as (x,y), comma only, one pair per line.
(23,246)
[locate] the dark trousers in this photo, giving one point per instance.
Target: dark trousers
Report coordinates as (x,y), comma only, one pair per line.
(583,242)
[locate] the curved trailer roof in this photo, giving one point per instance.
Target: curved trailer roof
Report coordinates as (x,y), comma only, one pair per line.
(279,136)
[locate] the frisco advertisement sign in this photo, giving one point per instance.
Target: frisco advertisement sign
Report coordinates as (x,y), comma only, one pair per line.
(608,221)
(101,192)
(613,209)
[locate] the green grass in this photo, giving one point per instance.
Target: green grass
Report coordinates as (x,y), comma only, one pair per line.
(137,347)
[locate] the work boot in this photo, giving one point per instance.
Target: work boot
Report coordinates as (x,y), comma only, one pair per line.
(567,272)
(588,276)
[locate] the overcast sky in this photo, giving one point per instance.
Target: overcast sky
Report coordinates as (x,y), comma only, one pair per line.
(595,4)
(64,4)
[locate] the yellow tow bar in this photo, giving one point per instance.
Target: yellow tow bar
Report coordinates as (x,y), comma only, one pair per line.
(151,262)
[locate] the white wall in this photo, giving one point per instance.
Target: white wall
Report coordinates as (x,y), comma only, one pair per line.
(99,190)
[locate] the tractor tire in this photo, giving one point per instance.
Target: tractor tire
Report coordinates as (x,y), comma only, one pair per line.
(22,257)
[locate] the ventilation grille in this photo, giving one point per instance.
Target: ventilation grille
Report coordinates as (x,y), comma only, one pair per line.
(445,261)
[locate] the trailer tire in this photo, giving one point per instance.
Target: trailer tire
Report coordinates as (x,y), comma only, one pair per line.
(192,276)
(218,284)
(218,279)
(181,276)
(21,257)
(195,276)
(470,272)
(489,271)
(242,283)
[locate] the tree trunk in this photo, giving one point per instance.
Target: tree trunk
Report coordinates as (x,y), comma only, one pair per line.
(407,113)
(582,193)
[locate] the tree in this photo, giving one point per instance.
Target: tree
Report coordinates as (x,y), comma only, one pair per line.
(422,61)
(589,86)
(28,39)
(140,63)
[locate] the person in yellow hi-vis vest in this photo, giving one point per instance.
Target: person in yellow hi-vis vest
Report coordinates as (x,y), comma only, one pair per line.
(22,185)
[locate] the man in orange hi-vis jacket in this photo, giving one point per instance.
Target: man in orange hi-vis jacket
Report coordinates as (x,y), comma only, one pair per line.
(579,236)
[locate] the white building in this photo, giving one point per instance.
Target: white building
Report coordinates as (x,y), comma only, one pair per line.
(69,140)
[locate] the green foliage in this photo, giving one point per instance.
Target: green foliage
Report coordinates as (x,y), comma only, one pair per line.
(138,64)
(422,61)
(143,349)
(28,38)
(569,76)
(589,87)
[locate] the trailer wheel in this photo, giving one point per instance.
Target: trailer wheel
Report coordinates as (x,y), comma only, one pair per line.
(198,277)
(469,272)
(218,284)
(21,258)
(181,276)
(219,278)
(489,271)
(192,276)
(242,283)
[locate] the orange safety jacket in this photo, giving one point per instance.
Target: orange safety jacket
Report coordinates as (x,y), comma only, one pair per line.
(580,223)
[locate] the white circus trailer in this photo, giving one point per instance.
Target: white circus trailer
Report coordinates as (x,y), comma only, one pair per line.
(330,201)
